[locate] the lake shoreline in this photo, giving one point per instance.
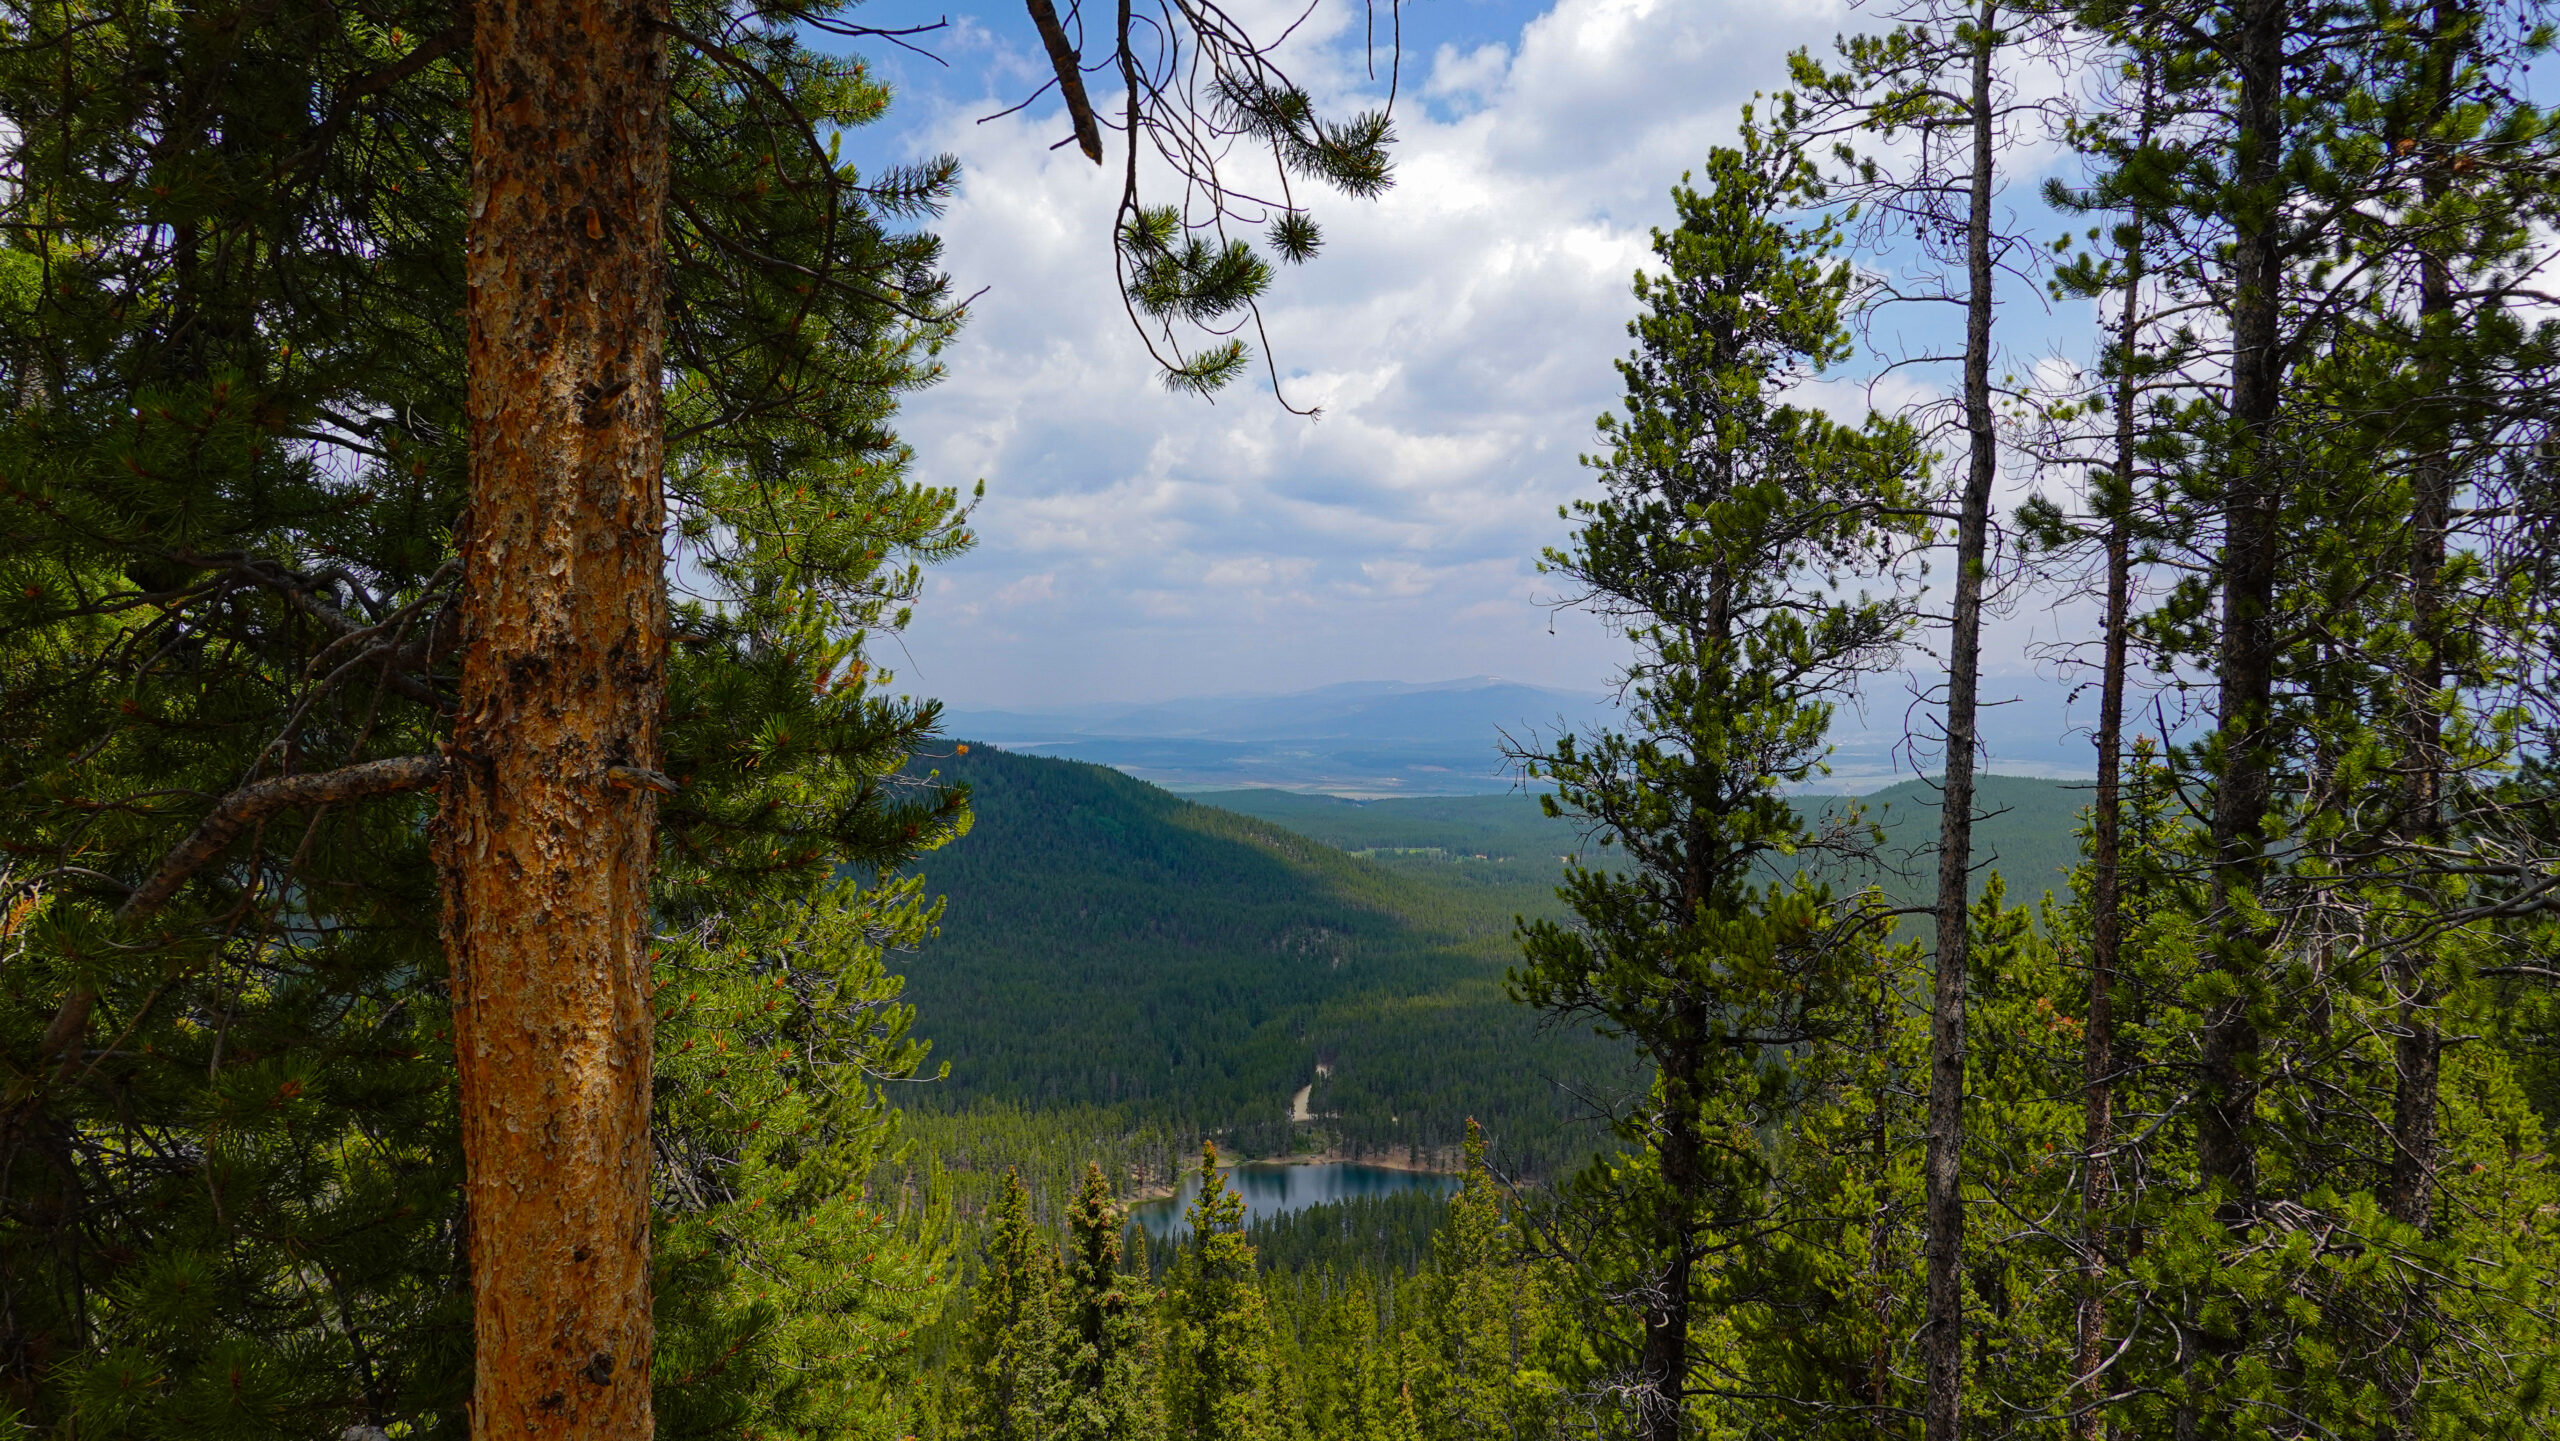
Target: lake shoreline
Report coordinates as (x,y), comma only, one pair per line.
(1281,1185)
(1439,1161)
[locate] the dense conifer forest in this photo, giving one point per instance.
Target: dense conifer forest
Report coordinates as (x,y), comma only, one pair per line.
(488,947)
(1107,944)
(1108,949)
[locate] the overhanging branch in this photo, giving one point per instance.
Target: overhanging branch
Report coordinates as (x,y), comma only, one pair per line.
(253,803)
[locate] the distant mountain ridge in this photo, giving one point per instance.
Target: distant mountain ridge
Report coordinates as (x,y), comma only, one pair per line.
(1360,738)
(1386,710)
(1375,739)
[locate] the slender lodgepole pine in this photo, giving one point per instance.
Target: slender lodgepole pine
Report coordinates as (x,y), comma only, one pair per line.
(2244,662)
(548,823)
(2106,861)
(2418,1049)
(1943,1163)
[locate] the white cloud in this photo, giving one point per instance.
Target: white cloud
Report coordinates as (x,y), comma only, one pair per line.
(1459,334)
(1473,73)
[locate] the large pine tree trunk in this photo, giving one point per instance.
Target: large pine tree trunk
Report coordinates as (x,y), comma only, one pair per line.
(547,831)
(2245,658)
(1943,1164)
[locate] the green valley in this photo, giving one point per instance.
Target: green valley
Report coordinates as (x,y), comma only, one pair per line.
(1108,943)
(1194,961)
(2028,832)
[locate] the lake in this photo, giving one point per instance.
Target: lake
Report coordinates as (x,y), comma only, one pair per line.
(1277,1189)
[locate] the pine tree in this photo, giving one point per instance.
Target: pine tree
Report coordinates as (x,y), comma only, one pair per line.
(1014,1390)
(547,830)
(2303,485)
(1484,1317)
(1727,524)
(790,1284)
(1218,1373)
(2132,362)
(1397,1418)
(1107,1360)
(234,477)
(1818,1335)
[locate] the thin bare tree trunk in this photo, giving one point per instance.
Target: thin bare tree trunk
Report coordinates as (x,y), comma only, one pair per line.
(2097,1177)
(544,842)
(2106,889)
(1943,1165)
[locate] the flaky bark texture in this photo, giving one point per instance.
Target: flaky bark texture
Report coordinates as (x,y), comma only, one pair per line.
(545,853)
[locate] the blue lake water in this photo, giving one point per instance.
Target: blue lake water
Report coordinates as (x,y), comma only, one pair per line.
(1278,1189)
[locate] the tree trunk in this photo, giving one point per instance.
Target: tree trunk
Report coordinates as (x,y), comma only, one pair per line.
(1662,1406)
(2106,866)
(1879,1229)
(2418,1050)
(1663,1380)
(2097,1176)
(2244,663)
(2245,660)
(545,841)
(1943,1164)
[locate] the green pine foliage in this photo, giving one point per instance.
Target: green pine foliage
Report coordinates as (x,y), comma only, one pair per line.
(1108,1357)
(231,482)
(1220,1383)
(1472,1341)
(1730,528)
(1390,1234)
(791,1289)
(1011,1388)
(1487,1320)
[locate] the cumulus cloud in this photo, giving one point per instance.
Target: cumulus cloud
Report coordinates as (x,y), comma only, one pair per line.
(1458,333)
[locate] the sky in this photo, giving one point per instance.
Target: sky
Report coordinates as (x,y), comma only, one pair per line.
(1459,334)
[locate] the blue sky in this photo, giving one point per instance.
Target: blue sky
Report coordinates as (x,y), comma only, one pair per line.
(1459,333)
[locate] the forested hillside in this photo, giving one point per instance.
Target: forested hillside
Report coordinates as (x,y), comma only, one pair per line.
(1109,943)
(2027,835)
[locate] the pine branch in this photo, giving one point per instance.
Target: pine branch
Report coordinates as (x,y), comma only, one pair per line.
(252,803)
(1064,60)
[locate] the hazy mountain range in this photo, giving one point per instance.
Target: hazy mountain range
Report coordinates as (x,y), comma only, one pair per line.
(1367,738)
(1389,738)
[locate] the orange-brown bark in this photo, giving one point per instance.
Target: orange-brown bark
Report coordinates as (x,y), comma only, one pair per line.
(545,856)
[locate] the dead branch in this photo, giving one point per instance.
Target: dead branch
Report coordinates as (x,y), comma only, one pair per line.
(253,803)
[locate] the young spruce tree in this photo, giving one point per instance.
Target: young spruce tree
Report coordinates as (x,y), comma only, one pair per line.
(1012,1387)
